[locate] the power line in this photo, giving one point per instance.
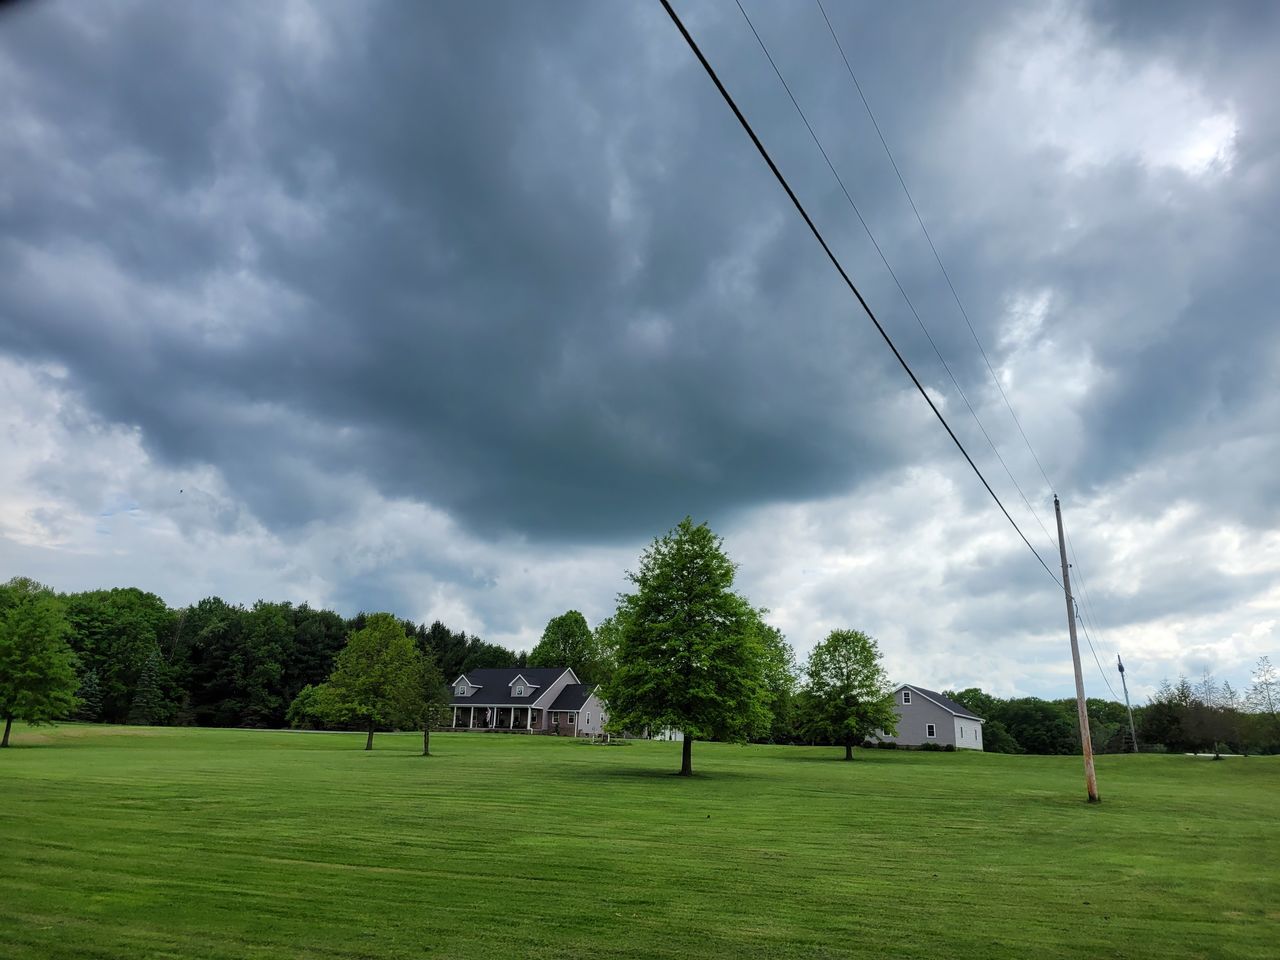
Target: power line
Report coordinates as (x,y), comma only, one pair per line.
(920,220)
(835,262)
(1094,651)
(885,260)
(1087,608)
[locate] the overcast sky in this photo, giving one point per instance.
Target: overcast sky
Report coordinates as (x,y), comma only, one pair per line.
(449,308)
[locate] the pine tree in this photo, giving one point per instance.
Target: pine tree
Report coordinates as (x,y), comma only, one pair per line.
(90,697)
(149,706)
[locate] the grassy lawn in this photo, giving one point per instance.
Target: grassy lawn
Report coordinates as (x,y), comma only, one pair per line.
(127,842)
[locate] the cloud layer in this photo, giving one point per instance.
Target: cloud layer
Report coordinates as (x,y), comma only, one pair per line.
(448,310)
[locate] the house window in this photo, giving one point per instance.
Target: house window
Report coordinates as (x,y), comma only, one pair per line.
(962,733)
(906,697)
(587,719)
(930,731)
(519,691)
(573,718)
(462,691)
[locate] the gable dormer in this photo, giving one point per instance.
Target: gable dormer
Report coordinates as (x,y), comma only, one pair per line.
(520,687)
(462,687)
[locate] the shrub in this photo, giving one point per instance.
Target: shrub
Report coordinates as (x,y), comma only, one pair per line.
(932,746)
(868,744)
(950,748)
(888,745)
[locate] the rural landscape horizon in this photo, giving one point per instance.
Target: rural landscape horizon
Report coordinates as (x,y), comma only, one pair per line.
(657,479)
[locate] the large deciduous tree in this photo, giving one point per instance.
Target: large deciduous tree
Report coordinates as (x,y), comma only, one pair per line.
(378,680)
(566,642)
(689,649)
(849,694)
(37,666)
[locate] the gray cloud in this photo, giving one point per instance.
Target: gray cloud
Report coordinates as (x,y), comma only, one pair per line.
(519,266)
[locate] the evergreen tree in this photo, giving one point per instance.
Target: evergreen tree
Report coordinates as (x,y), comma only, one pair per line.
(149,706)
(90,697)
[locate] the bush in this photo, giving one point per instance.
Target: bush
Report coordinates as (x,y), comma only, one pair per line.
(888,745)
(932,746)
(950,748)
(868,744)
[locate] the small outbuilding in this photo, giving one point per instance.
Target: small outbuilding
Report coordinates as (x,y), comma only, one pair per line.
(926,716)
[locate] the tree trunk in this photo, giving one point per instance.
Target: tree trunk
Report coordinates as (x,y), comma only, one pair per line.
(848,749)
(368,744)
(8,722)
(426,739)
(686,761)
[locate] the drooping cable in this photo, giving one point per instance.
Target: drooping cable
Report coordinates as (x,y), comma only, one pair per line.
(844,276)
(889,267)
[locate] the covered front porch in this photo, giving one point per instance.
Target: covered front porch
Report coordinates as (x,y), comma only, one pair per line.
(499,719)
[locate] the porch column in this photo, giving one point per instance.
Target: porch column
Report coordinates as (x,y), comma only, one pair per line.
(528,720)
(471,720)
(513,718)
(455,716)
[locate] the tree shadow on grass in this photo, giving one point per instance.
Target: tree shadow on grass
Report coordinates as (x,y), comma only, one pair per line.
(647,773)
(826,755)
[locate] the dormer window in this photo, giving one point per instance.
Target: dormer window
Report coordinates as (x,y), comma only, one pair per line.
(906,697)
(520,690)
(462,690)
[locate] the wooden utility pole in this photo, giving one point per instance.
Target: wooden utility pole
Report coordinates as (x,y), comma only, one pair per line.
(1082,709)
(1133,733)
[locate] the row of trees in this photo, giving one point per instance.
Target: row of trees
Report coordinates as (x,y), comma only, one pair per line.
(123,656)
(1182,717)
(684,650)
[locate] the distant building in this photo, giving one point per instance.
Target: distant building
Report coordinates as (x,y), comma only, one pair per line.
(526,700)
(926,716)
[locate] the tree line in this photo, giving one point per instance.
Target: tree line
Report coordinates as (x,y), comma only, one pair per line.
(123,656)
(684,650)
(1207,716)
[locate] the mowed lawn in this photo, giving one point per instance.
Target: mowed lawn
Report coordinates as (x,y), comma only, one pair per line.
(129,842)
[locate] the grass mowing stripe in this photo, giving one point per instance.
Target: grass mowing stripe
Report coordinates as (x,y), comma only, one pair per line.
(121,842)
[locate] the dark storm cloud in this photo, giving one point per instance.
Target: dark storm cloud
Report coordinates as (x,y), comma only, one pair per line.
(518,262)
(506,289)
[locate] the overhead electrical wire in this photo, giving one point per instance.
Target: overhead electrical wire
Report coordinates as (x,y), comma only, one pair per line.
(885,260)
(835,262)
(1094,650)
(936,256)
(1086,607)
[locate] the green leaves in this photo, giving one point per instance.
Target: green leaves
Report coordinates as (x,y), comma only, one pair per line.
(381,680)
(690,654)
(37,667)
(848,695)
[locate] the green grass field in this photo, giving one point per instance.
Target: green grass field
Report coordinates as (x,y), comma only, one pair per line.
(128,842)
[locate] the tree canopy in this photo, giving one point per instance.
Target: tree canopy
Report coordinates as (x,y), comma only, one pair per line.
(849,696)
(567,641)
(37,667)
(380,678)
(690,655)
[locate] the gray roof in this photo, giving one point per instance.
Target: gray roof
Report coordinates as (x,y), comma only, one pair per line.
(958,709)
(496,689)
(573,697)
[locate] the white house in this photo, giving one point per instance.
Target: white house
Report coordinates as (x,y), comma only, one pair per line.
(926,716)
